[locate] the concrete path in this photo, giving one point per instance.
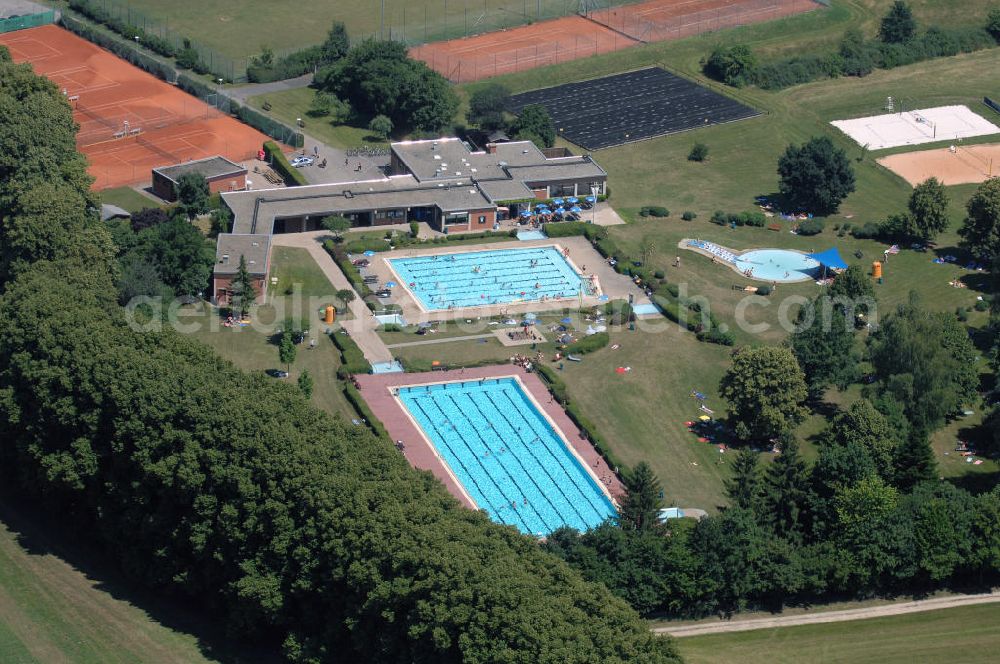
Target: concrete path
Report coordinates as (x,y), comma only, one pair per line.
(244,92)
(362,327)
(428,342)
(901,608)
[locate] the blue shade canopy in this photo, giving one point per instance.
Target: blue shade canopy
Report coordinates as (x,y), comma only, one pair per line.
(576,208)
(560,210)
(572,199)
(591,199)
(830,258)
(525,213)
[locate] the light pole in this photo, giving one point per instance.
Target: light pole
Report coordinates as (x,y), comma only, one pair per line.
(218,94)
(137,49)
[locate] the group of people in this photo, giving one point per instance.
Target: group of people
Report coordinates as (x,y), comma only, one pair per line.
(526,362)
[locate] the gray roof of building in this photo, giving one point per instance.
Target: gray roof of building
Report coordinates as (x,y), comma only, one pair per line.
(231,246)
(109,211)
(255,211)
(505,190)
(568,168)
(210,167)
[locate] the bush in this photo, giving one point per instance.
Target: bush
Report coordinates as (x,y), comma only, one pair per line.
(764,290)
(279,162)
(688,215)
(659,274)
(588,344)
(351,357)
(811,227)
(735,66)
(566,229)
(414,229)
(654,211)
(363,411)
(869,231)
(699,152)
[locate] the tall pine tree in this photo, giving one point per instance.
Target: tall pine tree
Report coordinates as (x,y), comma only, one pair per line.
(914,460)
(744,488)
(786,489)
(244,293)
(642,503)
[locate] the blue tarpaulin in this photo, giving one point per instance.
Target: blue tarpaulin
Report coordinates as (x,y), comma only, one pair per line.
(830,258)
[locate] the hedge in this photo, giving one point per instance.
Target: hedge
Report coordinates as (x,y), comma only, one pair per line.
(356,400)
(351,357)
(123,49)
(280,163)
(576,228)
(654,211)
(589,343)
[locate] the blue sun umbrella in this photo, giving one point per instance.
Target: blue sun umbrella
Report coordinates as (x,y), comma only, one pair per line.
(541,206)
(576,209)
(591,199)
(557,201)
(369,253)
(390,284)
(560,210)
(566,321)
(525,213)
(573,199)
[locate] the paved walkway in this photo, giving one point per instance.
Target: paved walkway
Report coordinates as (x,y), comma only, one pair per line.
(900,608)
(362,327)
(244,92)
(429,342)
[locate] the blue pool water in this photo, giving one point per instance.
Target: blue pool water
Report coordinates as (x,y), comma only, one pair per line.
(777,265)
(478,278)
(510,461)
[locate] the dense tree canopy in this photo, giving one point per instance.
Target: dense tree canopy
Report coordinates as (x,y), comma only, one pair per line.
(898,25)
(534,124)
(380,79)
(928,207)
(733,65)
(815,176)
(823,344)
(487,106)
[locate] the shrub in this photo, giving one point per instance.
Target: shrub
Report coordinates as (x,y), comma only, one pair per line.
(735,65)
(699,152)
(869,231)
(719,217)
(362,409)
(280,163)
(654,211)
(352,359)
(414,229)
(659,274)
(811,227)
(982,305)
(566,229)
(764,290)
(688,215)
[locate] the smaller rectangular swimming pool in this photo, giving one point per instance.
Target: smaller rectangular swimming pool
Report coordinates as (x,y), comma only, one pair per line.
(507,456)
(481,278)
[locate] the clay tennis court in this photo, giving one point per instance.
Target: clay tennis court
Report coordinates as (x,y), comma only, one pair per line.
(969,164)
(574,37)
(130,121)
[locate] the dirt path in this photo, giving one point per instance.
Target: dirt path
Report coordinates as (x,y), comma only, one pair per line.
(901,608)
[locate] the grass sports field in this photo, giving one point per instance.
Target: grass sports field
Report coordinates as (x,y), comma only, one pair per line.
(964,635)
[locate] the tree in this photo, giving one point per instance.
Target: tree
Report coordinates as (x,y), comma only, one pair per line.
(981,229)
(864,512)
(815,176)
(192,194)
(744,488)
(139,278)
(699,152)
(222,221)
(929,208)
(244,293)
(863,425)
(336,44)
(381,125)
(823,343)
(322,104)
(181,255)
(735,65)
(336,224)
(898,26)
(786,489)
(993,23)
(854,285)
(346,296)
(914,461)
(643,499)
(765,389)
(925,362)
(306,383)
(286,350)
(534,120)
(147,217)
(487,106)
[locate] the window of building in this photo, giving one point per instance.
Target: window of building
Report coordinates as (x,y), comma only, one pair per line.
(456,218)
(482,218)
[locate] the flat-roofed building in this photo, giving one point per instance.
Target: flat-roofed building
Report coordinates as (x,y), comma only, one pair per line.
(221,174)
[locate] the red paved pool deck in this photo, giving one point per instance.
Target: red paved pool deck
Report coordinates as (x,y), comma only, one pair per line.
(377,391)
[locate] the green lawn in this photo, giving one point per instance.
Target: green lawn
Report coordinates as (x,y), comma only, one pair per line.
(959,635)
(295,269)
(291,105)
(59,602)
(127,198)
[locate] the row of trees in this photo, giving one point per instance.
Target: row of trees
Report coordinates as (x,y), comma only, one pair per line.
(898,43)
(228,489)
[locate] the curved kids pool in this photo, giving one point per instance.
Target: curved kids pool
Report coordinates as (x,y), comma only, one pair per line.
(776,265)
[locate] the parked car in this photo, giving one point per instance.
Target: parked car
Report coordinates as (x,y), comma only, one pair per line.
(361,262)
(385,292)
(299,162)
(276,373)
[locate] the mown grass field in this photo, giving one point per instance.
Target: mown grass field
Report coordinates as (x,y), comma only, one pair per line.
(965,635)
(60,604)
(292,105)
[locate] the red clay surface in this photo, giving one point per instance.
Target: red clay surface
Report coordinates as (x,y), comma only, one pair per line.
(575,37)
(377,391)
(174,126)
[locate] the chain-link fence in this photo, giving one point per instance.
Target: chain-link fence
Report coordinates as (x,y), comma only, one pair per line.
(12,23)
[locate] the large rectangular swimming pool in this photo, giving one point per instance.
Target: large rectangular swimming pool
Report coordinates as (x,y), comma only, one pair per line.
(507,456)
(479,278)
